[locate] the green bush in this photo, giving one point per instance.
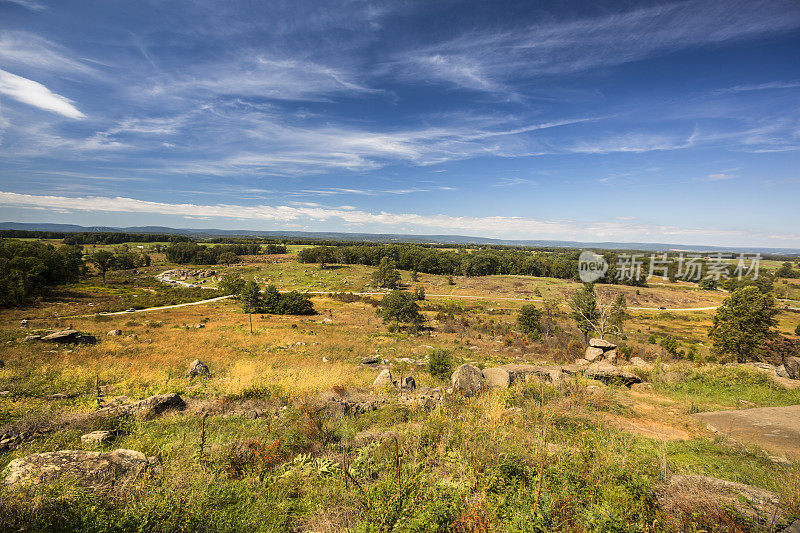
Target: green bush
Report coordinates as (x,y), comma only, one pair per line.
(440,363)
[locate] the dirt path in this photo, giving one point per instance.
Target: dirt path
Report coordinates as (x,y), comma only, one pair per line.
(775,429)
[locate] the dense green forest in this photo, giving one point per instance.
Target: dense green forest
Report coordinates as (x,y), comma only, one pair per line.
(28,269)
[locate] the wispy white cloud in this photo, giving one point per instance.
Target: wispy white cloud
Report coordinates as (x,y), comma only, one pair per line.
(35,94)
(28,50)
(29,4)
(773,85)
(511,182)
(718,176)
(492,60)
(481,225)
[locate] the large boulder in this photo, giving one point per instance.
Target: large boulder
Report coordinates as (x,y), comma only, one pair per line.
(497,377)
(792,366)
(64,336)
(198,368)
(686,494)
(383,380)
(96,470)
(468,380)
(610,356)
(609,373)
(602,343)
(150,407)
(593,354)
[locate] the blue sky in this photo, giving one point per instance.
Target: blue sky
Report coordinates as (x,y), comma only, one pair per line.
(590,120)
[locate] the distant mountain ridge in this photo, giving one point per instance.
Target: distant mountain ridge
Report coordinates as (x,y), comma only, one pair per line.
(390,237)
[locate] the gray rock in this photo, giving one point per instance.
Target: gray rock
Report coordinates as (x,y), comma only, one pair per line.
(497,377)
(383,380)
(65,336)
(608,373)
(638,362)
(592,354)
(610,357)
(792,365)
(793,528)
(31,338)
(198,368)
(696,492)
(581,362)
(97,437)
(781,371)
(96,470)
(150,407)
(114,333)
(468,380)
(408,383)
(601,343)
(373,360)
(199,326)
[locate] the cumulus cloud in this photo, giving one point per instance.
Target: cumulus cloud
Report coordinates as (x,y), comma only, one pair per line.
(35,94)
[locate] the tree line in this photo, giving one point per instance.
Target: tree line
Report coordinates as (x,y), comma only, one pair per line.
(198,254)
(29,268)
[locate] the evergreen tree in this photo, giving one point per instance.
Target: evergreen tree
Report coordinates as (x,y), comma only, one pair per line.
(742,323)
(584,309)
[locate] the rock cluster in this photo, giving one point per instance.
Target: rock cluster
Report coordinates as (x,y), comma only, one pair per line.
(601,350)
(148,408)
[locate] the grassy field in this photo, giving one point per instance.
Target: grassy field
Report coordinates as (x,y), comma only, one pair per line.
(536,457)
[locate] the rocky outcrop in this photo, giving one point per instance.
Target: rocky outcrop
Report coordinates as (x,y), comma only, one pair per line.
(601,350)
(96,470)
(497,377)
(69,336)
(608,373)
(689,493)
(150,407)
(792,366)
(468,380)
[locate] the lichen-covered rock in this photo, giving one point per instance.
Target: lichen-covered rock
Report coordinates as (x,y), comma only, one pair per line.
(687,493)
(95,470)
(497,377)
(198,368)
(383,380)
(97,437)
(792,366)
(608,373)
(592,354)
(64,336)
(602,343)
(150,407)
(468,380)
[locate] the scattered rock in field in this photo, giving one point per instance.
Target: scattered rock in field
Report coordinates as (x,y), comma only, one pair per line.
(638,362)
(114,333)
(324,359)
(609,373)
(199,326)
(497,377)
(592,354)
(67,335)
(792,366)
(62,396)
(372,360)
(97,437)
(602,343)
(468,380)
(689,493)
(198,368)
(31,338)
(150,407)
(383,380)
(408,383)
(96,470)
(326,320)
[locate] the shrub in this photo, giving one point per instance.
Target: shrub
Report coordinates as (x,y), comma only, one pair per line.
(440,363)
(529,321)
